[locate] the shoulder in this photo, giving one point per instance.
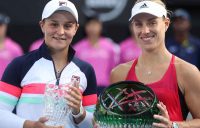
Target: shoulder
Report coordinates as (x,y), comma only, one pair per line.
(12,44)
(109,44)
(184,68)
(17,69)
(188,75)
(107,41)
(80,43)
(26,59)
(119,73)
(83,65)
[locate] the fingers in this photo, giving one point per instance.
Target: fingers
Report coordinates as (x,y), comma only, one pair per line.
(159,125)
(74,92)
(76,84)
(43,120)
(163,122)
(74,98)
(95,125)
(163,118)
(163,109)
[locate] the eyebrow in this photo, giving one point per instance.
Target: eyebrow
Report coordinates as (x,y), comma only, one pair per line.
(69,22)
(154,18)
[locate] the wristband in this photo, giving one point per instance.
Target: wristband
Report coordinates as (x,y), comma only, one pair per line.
(80,112)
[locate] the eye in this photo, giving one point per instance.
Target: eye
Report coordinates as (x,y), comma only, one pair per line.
(137,24)
(68,25)
(152,23)
(53,24)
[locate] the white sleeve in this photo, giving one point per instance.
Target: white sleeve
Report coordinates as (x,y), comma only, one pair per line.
(11,120)
(87,121)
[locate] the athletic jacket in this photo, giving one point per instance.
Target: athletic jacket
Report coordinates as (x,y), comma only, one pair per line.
(23,83)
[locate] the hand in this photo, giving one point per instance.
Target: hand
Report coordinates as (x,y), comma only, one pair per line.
(74,98)
(164,120)
(38,124)
(95,125)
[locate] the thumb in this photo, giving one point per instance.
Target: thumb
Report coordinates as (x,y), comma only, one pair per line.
(43,119)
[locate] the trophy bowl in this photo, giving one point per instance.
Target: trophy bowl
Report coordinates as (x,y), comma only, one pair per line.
(126,104)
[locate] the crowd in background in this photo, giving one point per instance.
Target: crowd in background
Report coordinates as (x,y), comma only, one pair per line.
(103,53)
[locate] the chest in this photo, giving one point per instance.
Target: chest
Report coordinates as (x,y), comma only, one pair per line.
(151,75)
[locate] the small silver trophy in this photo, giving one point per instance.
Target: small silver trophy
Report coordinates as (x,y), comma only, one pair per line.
(55,105)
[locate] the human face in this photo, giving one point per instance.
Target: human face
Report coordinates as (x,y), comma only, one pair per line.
(93,28)
(149,30)
(181,25)
(59,30)
(3,30)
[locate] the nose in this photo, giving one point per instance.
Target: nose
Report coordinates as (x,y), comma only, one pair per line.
(61,30)
(145,29)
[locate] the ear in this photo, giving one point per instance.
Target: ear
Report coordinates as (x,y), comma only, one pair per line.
(41,23)
(167,23)
(76,28)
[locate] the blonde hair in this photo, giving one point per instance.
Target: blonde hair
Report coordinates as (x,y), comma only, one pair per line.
(169,13)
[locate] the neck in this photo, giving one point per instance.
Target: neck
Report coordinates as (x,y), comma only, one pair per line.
(2,43)
(93,40)
(181,36)
(154,58)
(60,59)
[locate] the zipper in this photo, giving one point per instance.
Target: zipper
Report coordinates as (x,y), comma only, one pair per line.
(57,74)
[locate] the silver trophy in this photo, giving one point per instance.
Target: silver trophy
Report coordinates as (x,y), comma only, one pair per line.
(55,105)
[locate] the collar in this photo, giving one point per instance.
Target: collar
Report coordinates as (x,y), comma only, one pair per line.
(44,52)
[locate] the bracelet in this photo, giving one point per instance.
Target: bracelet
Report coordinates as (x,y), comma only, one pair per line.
(175,125)
(80,112)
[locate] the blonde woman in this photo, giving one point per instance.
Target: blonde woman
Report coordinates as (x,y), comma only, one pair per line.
(175,82)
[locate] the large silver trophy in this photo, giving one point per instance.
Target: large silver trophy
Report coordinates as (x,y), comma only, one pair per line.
(55,105)
(126,104)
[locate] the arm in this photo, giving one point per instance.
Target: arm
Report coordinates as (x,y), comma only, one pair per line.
(188,77)
(89,99)
(9,95)
(190,81)
(119,73)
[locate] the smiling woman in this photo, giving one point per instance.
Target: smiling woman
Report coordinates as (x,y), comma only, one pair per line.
(54,60)
(59,30)
(174,81)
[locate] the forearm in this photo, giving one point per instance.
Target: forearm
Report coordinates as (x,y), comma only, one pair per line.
(10,120)
(194,123)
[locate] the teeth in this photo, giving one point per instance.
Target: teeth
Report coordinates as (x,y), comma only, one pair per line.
(59,38)
(146,38)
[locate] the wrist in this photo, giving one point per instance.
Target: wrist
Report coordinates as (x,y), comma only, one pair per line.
(175,125)
(79,114)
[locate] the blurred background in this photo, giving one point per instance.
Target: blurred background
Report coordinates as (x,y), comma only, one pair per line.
(25,15)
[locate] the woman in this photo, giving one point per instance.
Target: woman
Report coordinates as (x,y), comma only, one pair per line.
(99,51)
(24,80)
(174,81)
